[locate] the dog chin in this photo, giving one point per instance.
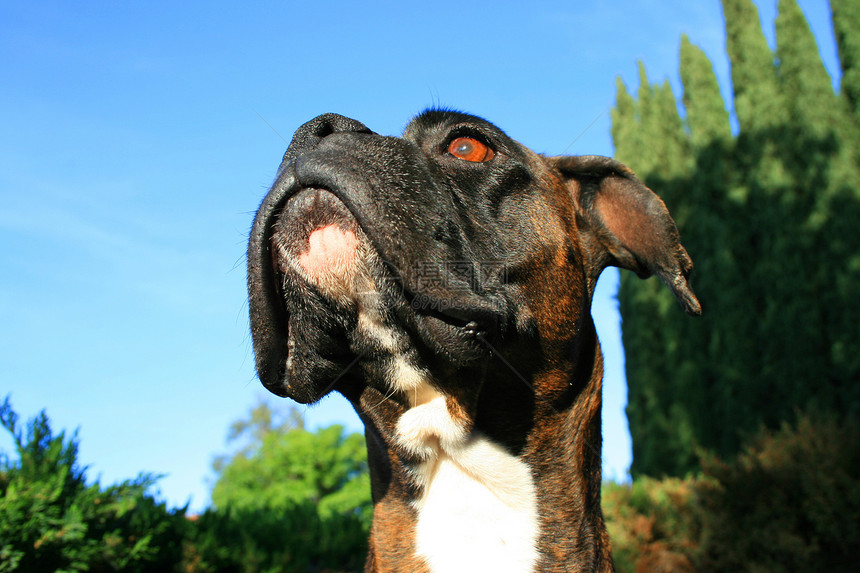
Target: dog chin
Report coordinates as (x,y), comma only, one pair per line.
(315,362)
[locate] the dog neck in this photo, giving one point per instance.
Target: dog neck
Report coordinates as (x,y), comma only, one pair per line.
(515,489)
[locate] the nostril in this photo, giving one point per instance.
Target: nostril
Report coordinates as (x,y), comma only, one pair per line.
(331,123)
(324,129)
(309,135)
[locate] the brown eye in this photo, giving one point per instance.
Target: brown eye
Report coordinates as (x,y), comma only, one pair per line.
(470,149)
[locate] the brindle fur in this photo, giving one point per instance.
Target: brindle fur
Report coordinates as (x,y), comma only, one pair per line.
(513,350)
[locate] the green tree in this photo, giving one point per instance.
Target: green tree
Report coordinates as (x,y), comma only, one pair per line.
(284,465)
(287,500)
(810,99)
(52,520)
(650,135)
(707,116)
(250,432)
(769,216)
(846,22)
(757,97)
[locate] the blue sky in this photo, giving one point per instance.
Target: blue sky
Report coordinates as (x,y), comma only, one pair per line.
(137,140)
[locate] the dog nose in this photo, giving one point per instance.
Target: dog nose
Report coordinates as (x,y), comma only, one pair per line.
(329,123)
(309,135)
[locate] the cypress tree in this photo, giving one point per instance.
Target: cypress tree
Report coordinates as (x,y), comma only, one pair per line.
(757,98)
(624,124)
(715,232)
(822,144)
(846,22)
(806,85)
(648,123)
(769,217)
(674,160)
(654,136)
(707,116)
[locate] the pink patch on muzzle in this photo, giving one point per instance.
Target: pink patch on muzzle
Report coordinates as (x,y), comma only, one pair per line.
(330,249)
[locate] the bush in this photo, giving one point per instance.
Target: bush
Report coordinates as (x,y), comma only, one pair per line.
(789,502)
(269,541)
(654,524)
(51,520)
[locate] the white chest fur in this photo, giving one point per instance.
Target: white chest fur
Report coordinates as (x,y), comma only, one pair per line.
(478,509)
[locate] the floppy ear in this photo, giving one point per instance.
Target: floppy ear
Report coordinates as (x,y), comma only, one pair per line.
(624,224)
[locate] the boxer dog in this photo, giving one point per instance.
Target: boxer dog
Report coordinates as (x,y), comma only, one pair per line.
(442,282)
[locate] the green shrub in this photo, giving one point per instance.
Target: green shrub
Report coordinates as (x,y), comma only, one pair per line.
(314,516)
(263,540)
(789,502)
(51,520)
(654,524)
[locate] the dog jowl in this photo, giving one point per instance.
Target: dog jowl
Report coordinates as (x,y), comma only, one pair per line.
(442,281)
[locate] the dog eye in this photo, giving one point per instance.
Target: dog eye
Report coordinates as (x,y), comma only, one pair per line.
(470,149)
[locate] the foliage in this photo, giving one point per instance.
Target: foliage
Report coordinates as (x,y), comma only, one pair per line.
(654,525)
(286,465)
(51,520)
(262,540)
(769,216)
(289,500)
(846,22)
(262,421)
(789,502)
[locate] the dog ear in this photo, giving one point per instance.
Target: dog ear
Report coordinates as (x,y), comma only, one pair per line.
(626,225)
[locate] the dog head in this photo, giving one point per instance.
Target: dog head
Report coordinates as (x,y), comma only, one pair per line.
(372,249)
